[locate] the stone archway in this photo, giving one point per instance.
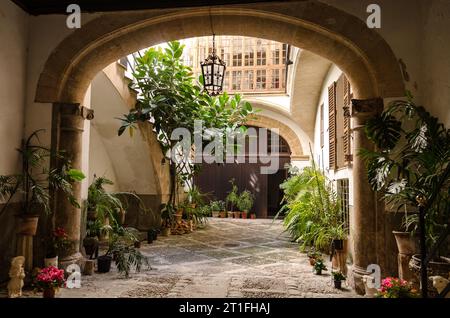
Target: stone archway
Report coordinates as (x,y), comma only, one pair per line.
(287,133)
(361,53)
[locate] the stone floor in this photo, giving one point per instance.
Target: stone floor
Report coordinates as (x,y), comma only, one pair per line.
(228,258)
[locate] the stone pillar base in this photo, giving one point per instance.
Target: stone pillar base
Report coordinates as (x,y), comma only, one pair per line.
(358,284)
(76,258)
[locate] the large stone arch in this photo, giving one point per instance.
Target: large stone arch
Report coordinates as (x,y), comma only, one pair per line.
(287,133)
(322,29)
(361,53)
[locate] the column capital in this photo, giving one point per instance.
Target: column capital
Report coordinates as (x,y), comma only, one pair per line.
(364,108)
(75,109)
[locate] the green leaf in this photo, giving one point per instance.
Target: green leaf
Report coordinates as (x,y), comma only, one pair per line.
(76,175)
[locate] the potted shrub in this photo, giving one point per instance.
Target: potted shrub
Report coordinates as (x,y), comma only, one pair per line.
(313,214)
(91,241)
(245,203)
(410,167)
(338,277)
(152,235)
(232,198)
(319,266)
(108,206)
(35,181)
(313,256)
(58,242)
(167,218)
(49,280)
(123,252)
(217,207)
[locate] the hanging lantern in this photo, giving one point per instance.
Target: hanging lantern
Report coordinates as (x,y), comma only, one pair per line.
(213,71)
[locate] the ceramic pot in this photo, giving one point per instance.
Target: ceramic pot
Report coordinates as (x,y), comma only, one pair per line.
(338,284)
(49,293)
(165,231)
(104,264)
(51,261)
(406,243)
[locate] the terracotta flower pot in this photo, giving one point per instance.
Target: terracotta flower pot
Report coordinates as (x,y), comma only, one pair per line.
(406,243)
(215,214)
(27,225)
(49,293)
(223,214)
(244,214)
(165,231)
(253,216)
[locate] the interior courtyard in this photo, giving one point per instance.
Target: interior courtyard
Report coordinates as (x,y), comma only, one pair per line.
(340,185)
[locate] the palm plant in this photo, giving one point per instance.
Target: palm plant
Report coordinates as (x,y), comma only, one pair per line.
(125,255)
(411,163)
(36,181)
(107,206)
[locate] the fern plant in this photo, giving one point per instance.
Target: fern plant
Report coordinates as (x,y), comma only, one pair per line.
(312,209)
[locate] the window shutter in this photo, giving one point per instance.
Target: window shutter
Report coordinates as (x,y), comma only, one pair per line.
(347,136)
(332,125)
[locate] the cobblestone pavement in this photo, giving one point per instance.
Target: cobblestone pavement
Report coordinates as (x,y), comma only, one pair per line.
(228,258)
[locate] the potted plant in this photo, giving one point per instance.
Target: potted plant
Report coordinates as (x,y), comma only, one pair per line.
(392,287)
(313,214)
(167,218)
(123,252)
(338,277)
(91,241)
(195,197)
(232,198)
(319,266)
(35,182)
(49,280)
(58,242)
(152,235)
(217,207)
(245,203)
(313,256)
(410,166)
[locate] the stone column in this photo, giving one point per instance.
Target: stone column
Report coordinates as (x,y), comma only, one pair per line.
(365,231)
(67,136)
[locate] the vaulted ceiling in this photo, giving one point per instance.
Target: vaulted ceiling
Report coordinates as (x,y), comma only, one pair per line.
(38,7)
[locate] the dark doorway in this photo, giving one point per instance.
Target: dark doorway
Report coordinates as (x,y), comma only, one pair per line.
(214,179)
(275,196)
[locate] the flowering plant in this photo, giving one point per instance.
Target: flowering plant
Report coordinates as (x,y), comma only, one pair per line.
(58,242)
(61,238)
(396,288)
(50,277)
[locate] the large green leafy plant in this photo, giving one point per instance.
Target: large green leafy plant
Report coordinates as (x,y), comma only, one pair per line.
(411,162)
(312,209)
(170,98)
(107,206)
(35,181)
